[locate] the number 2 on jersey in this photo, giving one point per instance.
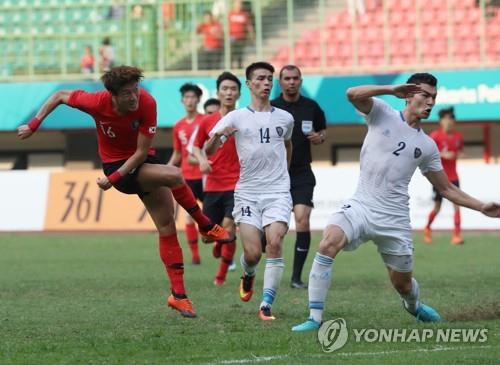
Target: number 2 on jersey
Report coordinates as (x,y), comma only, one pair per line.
(402,146)
(264,135)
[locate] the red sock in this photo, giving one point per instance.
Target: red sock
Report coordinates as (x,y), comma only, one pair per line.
(171,255)
(432,215)
(192,238)
(227,254)
(457,222)
(185,197)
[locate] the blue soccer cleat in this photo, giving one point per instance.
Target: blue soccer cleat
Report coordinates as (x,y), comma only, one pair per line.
(309,325)
(424,313)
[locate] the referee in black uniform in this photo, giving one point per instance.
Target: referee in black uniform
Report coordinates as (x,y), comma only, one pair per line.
(309,127)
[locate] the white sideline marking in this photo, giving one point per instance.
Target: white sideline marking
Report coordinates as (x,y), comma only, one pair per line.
(436,349)
(348,354)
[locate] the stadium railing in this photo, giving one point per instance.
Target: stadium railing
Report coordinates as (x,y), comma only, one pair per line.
(45,39)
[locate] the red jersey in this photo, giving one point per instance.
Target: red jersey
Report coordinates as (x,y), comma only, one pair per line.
(452,142)
(117,134)
(225,164)
(238,23)
(212,35)
(183,130)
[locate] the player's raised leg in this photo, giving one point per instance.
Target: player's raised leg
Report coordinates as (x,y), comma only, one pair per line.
(320,277)
(152,176)
(252,252)
(408,288)
(159,204)
(275,265)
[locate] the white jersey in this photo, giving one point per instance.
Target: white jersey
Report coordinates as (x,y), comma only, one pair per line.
(261,150)
(391,152)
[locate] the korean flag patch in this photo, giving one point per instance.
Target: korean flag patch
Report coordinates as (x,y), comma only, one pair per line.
(417,153)
(279,130)
(152,130)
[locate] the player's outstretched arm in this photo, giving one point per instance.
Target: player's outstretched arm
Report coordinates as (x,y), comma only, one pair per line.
(218,138)
(205,164)
(361,96)
(459,197)
(60,97)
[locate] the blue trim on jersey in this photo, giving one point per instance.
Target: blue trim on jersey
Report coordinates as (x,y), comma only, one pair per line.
(404,120)
(253,111)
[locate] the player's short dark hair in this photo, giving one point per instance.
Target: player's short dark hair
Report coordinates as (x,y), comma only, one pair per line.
(422,78)
(290,68)
(256,66)
(447,112)
(187,87)
(211,101)
(119,76)
(227,76)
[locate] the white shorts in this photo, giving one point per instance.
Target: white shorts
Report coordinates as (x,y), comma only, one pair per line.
(260,210)
(361,225)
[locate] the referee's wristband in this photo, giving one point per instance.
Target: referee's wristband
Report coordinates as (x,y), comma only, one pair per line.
(34,124)
(114,177)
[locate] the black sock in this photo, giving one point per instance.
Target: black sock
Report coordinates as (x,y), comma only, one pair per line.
(301,249)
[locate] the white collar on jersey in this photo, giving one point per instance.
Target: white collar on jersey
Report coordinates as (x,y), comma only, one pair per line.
(404,120)
(253,111)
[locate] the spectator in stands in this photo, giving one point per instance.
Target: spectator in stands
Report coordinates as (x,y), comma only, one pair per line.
(107,53)
(212,32)
(211,106)
(240,30)
(87,61)
(137,12)
(116,10)
(356,6)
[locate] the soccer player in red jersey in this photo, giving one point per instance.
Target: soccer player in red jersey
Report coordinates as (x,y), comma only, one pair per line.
(125,117)
(183,130)
(222,169)
(450,144)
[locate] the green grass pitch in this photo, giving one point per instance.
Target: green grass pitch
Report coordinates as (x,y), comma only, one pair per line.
(100,299)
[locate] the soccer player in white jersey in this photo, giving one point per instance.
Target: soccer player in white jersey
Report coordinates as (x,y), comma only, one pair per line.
(262,200)
(394,147)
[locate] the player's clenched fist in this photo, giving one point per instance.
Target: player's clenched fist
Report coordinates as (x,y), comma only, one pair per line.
(103,183)
(24,131)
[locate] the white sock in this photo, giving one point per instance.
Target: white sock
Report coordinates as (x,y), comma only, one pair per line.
(272,278)
(319,282)
(249,270)
(411,300)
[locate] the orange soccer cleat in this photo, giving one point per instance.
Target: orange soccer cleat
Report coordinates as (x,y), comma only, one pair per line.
(246,287)
(184,306)
(457,240)
(427,236)
(216,233)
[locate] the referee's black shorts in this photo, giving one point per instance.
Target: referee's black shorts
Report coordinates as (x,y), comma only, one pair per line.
(438,197)
(218,205)
(302,183)
(128,184)
(197,188)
